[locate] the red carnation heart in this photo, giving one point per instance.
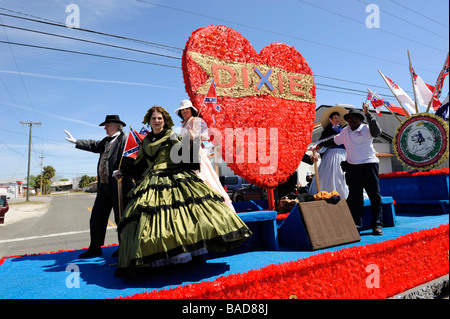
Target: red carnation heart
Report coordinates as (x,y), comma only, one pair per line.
(268,97)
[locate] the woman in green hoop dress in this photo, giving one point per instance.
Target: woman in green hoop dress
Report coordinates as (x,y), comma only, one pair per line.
(172,215)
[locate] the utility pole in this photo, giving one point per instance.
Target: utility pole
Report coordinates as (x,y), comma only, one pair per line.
(42,160)
(29,156)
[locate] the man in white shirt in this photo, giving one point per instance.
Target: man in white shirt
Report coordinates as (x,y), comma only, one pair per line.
(361,167)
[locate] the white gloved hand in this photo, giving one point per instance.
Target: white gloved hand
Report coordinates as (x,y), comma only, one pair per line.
(117,174)
(70,138)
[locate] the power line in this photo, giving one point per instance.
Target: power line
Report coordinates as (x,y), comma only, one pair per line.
(138,61)
(90,41)
(48,140)
(278,33)
(18,69)
(141,51)
(141,41)
(163,65)
(378,29)
(12,149)
(129,60)
(28,15)
(341,88)
(349,81)
(17,66)
(89,54)
(60,25)
(408,22)
(124,59)
(19,166)
(401,5)
(10,113)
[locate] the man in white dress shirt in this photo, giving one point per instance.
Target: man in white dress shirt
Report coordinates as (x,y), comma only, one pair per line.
(361,167)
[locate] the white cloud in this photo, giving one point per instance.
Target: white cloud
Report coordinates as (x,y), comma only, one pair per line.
(56,77)
(52,115)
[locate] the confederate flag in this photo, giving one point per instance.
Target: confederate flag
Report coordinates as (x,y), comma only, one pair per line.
(211,98)
(134,141)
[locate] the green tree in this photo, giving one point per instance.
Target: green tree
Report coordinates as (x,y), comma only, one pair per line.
(48,174)
(86,180)
(35,181)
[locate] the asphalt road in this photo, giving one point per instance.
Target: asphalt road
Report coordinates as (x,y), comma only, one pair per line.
(58,223)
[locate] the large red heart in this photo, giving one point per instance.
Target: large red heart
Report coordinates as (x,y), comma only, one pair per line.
(259,95)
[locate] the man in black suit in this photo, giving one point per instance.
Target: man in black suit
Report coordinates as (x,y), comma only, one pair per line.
(110,149)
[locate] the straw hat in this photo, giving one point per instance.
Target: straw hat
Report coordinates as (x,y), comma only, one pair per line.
(339,109)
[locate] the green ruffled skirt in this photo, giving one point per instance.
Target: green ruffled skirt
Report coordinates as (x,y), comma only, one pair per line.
(173,216)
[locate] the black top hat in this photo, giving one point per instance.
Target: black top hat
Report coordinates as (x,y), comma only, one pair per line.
(357,112)
(112,119)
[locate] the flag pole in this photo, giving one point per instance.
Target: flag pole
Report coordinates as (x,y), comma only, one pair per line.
(371,99)
(119,196)
(396,116)
(406,112)
(119,186)
(316,172)
(120,163)
(373,94)
(392,112)
(437,83)
(412,80)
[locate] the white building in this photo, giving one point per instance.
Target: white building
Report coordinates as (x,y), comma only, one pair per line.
(13,188)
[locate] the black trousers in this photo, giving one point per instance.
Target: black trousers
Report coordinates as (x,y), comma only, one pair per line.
(358,178)
(106,200)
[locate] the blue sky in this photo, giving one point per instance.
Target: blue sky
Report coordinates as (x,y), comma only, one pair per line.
(68,91)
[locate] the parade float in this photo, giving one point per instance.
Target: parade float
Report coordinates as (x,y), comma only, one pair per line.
(236,88)
(268,97)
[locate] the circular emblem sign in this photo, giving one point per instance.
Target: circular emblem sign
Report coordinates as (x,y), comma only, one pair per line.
(421,142)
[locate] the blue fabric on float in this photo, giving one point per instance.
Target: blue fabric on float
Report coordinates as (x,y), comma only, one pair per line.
(55,275)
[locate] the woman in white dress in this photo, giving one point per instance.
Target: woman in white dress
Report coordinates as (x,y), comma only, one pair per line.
(198,130)
(331,176)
